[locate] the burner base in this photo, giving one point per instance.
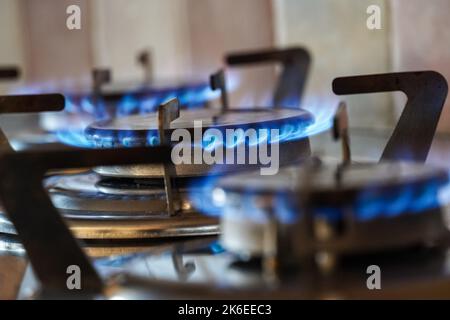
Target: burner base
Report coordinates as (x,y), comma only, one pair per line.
(183,225)
(94,215)
(290,152)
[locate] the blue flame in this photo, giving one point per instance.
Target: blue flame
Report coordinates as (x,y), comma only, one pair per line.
(72,129)
(74,138)
(88,106)
(391,203)
(128,105)
(191,98)
(371,204)
(289,130)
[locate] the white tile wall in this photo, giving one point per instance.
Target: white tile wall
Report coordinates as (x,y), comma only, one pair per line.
(336,34)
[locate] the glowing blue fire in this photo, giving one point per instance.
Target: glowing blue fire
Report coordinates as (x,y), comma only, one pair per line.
(410,198)
(74,137)
(370,204)
(290,129)
(322,110)
(82,110)
(188,97)
(72,127)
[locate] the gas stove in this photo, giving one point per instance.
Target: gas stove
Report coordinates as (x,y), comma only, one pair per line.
(152,201)
(141,225)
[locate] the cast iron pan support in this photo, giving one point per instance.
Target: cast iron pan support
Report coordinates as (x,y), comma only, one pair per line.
(28,104)
(25,103)
(291,83)
(426,92)
(49,244)
(144,58)
(100,77)
(9,73)
(168,112)
(217,82)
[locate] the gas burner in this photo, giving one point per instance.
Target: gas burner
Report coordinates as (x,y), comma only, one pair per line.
(356,208)
(190,92)
(130,186)
(151,201)
(97,208)
(120,214)
(144,130)
(116,203)
(106,99)
(124,202)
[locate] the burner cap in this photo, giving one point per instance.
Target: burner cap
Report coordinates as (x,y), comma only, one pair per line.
(339,184)
(142,130)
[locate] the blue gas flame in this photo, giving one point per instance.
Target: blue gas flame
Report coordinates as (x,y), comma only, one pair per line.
(322,110)
(74,137)
(410,198)
(290,129)
(83,109)
(94,110)
(371,203)
(191,97)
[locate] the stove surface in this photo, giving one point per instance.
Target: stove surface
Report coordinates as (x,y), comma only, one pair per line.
(206,262)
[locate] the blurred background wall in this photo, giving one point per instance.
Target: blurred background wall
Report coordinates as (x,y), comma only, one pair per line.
(11,35)
(336,34)
(54,53)
(220,27)
(420,40)
(188,38)
(120,31)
